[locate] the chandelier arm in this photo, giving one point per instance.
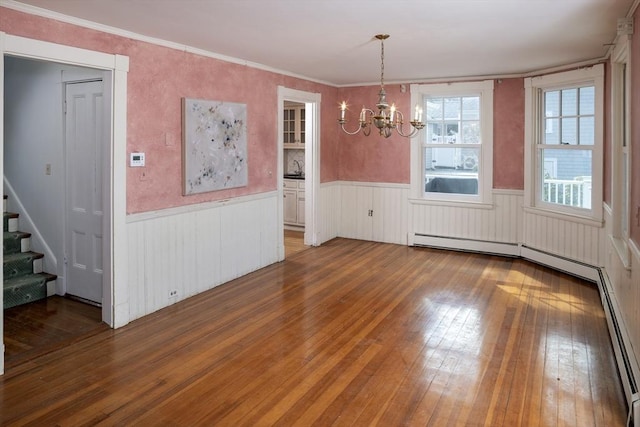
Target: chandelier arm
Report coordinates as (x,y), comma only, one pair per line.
(360,127)
(364,125)
(414,132)
(416,126)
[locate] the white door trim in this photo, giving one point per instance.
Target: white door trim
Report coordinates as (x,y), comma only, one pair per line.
(115,310)
(312,162)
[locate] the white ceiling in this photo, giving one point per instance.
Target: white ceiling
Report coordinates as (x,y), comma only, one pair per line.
(333,40)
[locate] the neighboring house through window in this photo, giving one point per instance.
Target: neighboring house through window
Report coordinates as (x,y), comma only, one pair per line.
(563,132)
(453,157)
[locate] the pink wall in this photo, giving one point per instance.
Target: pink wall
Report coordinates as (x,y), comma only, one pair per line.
(635,131)
(372,158)
(378,159)
(158,79)
(508,134)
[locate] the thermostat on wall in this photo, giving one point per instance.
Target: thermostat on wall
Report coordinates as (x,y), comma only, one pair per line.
(137,160)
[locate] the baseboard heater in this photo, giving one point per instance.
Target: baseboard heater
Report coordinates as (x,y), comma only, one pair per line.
(627,363)
(627,367)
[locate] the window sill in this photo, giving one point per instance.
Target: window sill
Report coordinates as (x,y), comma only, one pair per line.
(452,203)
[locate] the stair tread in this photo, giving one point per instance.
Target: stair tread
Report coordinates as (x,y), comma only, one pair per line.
(20,284)
(28,279)
(15,242)
(25,289)
(30,254)
(22,234)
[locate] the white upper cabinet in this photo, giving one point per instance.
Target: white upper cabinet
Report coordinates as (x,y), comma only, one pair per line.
(293,126)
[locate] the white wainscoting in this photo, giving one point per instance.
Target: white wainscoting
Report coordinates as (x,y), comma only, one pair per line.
(500,222)
(565,236)
(330,211)
(622,279)
(194,248)
(372,211)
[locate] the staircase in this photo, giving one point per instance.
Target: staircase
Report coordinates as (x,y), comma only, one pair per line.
(24,280)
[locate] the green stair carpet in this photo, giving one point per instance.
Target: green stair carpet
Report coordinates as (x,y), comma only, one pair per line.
(21,285)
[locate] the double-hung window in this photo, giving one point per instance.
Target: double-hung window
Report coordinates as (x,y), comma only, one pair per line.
(563,126)
(453,157)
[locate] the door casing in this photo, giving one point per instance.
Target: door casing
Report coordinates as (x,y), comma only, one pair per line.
(312,163)
(115,309)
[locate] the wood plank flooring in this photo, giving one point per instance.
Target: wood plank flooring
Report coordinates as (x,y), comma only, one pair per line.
(293,242)
(351,333)
(40,327)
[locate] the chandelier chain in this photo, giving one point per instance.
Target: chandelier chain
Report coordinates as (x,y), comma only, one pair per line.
(382,63)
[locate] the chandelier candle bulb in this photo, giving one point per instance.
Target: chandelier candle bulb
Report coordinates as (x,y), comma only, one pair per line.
(393,112)
(343,107)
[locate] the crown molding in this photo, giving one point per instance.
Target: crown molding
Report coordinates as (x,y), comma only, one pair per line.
(44,13)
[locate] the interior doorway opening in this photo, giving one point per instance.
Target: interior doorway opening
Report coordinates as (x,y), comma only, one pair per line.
(114,69)
(38,185)
(302,135)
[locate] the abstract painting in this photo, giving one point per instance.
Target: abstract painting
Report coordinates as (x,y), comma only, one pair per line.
(214,145)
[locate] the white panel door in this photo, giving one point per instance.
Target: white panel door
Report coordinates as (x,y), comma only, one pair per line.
(84,189)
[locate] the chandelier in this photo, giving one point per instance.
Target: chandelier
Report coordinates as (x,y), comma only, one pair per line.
(387,117)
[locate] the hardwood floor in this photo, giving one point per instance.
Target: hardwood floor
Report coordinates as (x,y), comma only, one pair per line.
(293,242)
(40,327)
(351,333)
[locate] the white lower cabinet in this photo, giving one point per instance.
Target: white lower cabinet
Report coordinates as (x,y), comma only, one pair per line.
(374,213)
(290,207)
(300,207)
(294,202)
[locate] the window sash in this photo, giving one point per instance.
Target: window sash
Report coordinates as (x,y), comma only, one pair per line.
(535,140)
(569,122)
(469,109)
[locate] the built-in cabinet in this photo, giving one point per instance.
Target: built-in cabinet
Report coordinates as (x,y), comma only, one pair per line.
(294,202)
(293,126)
(363,214)
(374,212)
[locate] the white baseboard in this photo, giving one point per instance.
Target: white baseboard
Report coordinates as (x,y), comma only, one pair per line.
(511,250)
(497,248)
(556,262)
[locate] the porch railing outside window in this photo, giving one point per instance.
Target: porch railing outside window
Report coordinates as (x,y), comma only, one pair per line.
(570,192)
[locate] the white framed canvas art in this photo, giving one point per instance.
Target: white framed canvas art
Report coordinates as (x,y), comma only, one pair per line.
(214,135)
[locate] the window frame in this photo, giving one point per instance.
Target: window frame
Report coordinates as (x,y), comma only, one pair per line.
(621,149)
(483,89)
(534,118)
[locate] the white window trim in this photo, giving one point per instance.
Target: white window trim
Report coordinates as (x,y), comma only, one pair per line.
(485,90)
(591,75)
(620,57)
